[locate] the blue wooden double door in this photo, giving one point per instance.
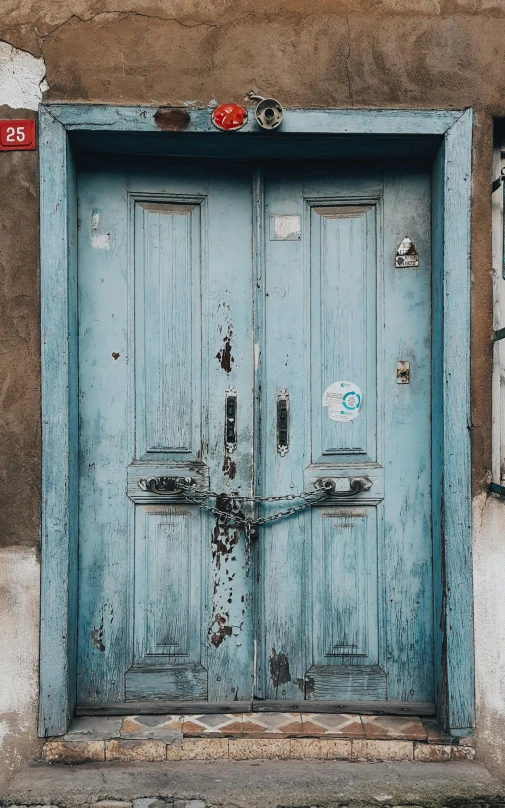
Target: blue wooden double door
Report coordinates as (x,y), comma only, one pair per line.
(249,328)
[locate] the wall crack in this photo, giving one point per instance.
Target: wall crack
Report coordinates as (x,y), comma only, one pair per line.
(125,13)
(348,56)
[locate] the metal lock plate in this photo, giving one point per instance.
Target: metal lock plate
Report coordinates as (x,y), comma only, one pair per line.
(166,485)
(230,419)
(343,486)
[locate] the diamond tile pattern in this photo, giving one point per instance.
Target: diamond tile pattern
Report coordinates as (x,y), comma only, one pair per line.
(270,725)
(393,726)
(273,725)
(339,725)
(152,727)
(212,725)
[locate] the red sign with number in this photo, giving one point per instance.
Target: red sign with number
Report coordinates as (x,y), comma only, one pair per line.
(17,135)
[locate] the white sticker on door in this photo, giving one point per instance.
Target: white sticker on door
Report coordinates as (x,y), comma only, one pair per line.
(343,400)
(285,228)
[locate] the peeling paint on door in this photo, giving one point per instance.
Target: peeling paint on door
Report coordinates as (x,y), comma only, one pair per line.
(224,356)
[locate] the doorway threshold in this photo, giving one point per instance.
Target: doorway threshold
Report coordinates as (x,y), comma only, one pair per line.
(258,706)
(250,736)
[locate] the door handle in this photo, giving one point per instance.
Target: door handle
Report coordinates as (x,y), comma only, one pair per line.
(166,485)
(343,486)
(283,421)
(230,419)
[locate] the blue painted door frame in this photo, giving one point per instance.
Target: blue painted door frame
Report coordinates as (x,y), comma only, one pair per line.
(360,133)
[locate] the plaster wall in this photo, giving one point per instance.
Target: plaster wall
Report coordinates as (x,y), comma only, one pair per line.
(19,644)
(489,555)
(336,53)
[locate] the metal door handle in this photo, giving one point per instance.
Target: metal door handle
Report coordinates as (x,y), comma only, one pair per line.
(230,419)
(166,485)
(343,486)
(282,421)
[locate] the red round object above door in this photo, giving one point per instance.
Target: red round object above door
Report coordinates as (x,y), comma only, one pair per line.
(229,117)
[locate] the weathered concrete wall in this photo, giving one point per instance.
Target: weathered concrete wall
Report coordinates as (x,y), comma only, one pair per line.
(19,644)
(338,53)
(489,555)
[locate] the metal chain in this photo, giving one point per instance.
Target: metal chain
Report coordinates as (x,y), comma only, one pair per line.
(322,494)
(288,497)
(309,497)
(191,494)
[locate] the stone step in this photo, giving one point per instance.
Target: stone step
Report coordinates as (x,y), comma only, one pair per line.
(257,784)
(250,736)
(83,751)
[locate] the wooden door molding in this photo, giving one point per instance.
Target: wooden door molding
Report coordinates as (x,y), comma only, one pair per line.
(442,136)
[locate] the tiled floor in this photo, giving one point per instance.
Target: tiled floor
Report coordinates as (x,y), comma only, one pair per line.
(279,725)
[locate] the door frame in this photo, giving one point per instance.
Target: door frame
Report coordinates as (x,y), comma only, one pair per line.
(444,135)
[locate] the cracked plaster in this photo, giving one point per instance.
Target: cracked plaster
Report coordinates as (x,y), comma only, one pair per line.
(22,78)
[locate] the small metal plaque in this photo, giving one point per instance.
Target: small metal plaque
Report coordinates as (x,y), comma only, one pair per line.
(406,255)
(287,227)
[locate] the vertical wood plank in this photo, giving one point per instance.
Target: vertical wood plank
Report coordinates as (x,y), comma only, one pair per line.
(284,545)
(57,240)
(105,449)
(458,604)
(228,365)
(437,439)
(406,557)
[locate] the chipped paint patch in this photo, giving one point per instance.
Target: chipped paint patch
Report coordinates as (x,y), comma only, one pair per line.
(256,355)
(101,241)
(96,635)
(22,78)
(219,630)
(224,356)
(225,537)
(279,668)
(229,467)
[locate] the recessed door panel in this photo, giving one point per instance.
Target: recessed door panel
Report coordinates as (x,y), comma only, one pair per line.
(343,323)
(168,343)
(345,616)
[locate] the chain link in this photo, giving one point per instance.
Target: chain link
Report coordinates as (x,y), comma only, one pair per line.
(309,497)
